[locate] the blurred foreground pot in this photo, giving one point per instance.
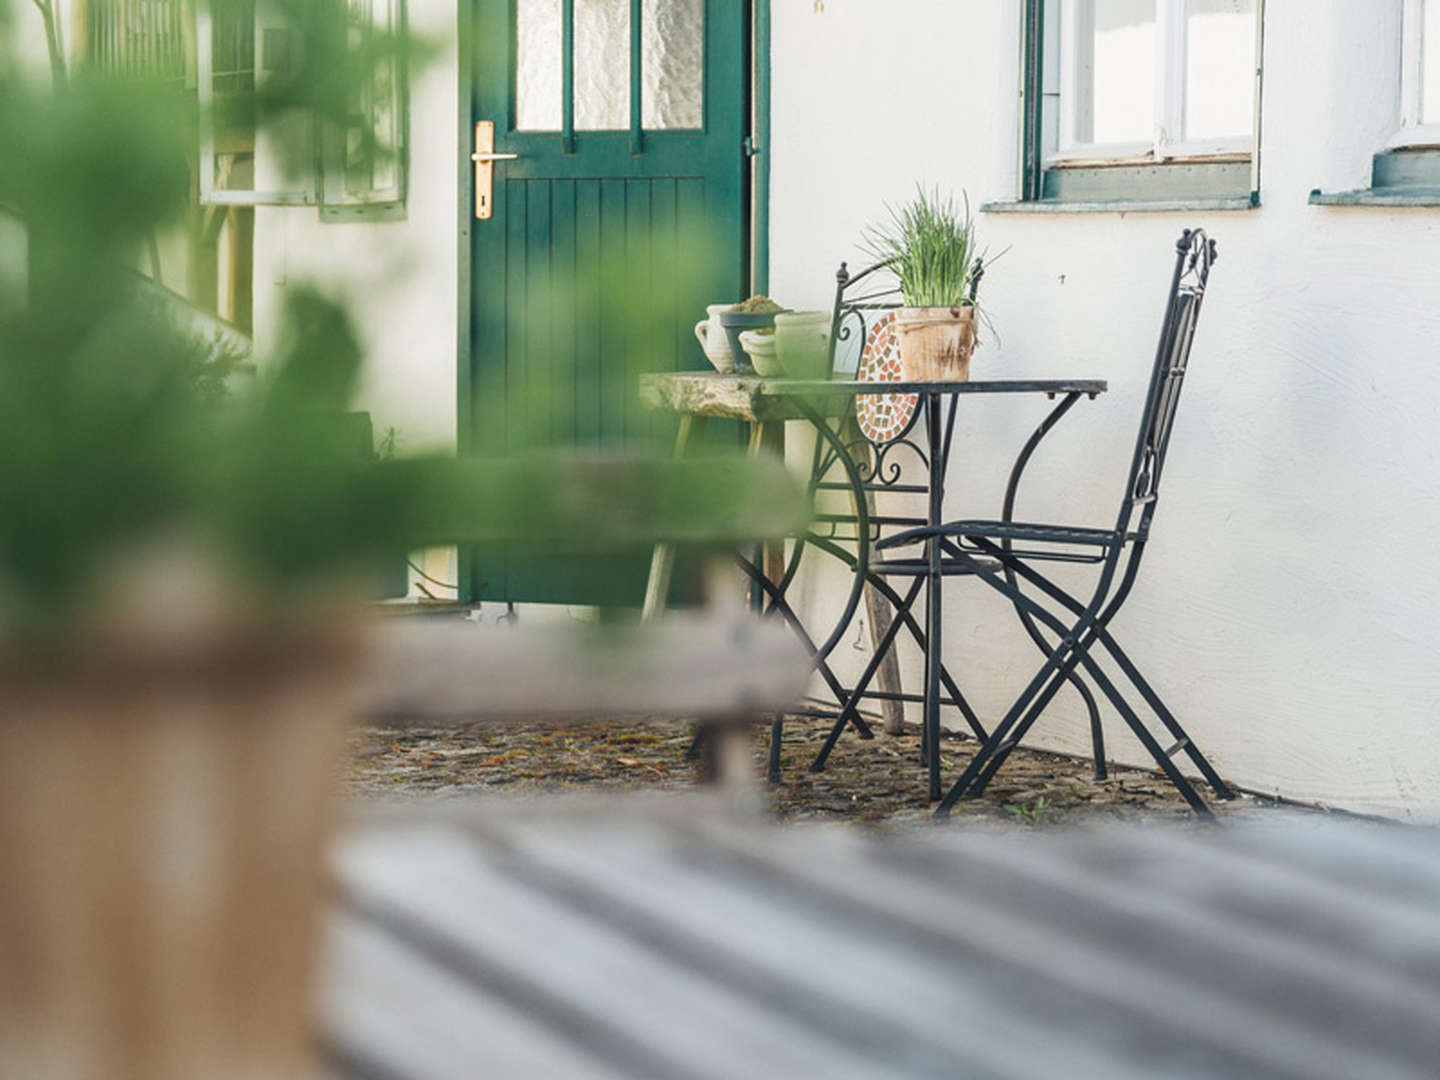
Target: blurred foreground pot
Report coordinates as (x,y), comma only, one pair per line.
(161,833)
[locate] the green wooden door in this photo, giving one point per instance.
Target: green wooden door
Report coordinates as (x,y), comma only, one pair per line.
(620,218)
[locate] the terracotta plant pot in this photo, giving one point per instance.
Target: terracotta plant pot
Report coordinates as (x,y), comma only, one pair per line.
(162,825)
(936,343)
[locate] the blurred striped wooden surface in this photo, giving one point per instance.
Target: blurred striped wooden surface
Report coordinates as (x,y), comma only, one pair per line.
(680,946)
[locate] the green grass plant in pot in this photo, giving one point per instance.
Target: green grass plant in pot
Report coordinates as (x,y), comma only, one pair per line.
(929,244)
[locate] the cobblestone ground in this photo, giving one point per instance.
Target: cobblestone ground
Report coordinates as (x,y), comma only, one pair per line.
(879,781)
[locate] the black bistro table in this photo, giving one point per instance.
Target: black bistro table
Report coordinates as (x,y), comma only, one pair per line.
(846,460)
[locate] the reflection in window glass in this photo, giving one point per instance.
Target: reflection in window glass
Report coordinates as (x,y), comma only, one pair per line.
(1430,65)
(1219,68)
(1118,83)
(602,65)
(538,67)
(673,58)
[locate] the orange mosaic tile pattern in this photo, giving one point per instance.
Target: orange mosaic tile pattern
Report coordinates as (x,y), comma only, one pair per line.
(883,417)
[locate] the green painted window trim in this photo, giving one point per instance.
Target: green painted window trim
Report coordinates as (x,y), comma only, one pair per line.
(1122,206)
(1397,178)
(1162,186)
(759,147)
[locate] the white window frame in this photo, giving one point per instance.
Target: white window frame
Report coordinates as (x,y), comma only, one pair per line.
(324,184)
(1076,20)
(210,195)
(1412,132)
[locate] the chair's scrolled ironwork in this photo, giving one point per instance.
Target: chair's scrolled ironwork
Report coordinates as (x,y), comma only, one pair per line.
(988,550)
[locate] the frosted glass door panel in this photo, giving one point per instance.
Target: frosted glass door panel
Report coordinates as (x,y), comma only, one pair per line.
(602,65)
(673,63)
(1219,68)
(539,67)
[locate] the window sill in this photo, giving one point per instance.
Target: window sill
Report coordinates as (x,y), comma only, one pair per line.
(1384,196)
(1122,206)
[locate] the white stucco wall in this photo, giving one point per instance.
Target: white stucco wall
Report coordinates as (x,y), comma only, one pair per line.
(1289,608)
(401,277)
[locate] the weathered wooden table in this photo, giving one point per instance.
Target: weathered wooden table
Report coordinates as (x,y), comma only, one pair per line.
(865,469)
(575,943)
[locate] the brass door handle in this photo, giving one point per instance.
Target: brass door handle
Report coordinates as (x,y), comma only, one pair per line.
(484,158)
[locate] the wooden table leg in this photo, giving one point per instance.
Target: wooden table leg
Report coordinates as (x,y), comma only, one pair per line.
(662,560)
(770,439)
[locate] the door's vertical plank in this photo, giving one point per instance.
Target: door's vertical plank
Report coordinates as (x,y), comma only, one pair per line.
(517,299)
(540,309)
(498,388)
(640,333)
(670,273)
(613,301)
(589,267)
(565,375)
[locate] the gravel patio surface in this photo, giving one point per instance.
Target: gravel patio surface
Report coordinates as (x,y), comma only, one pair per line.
(876,782)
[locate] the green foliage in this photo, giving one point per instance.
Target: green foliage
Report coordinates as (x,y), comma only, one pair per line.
(1033,813)
(929,243)
(758,305)
(118,436)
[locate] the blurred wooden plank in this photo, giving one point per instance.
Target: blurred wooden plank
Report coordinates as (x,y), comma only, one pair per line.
(690,666)
(863,987)
(1279,981)
(684,946)
(588,985)
(1032,958)
(450,1028)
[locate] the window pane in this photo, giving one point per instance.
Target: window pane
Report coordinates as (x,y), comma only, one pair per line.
(1430,65)
(233,83)
(537,65)
(137,38)
(673,57)
(1219,68)
(602,65)
(368,166)
(1118,83)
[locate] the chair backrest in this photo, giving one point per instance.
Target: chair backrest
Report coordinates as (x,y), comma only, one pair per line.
(1195,255)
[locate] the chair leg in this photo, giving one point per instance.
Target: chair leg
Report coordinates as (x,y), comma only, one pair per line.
(1035,697)
(1100,631)
(1217,785)
(1097,732)
(956,698)
(822,667)
(976,778)
(777,732)
(853,702)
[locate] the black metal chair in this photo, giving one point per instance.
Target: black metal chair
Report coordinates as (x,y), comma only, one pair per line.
(1002,553)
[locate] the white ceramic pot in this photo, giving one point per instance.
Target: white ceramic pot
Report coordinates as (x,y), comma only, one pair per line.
(713,340)
(802,343)
(761,350)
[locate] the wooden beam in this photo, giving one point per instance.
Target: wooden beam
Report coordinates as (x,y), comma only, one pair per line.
(719,670)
